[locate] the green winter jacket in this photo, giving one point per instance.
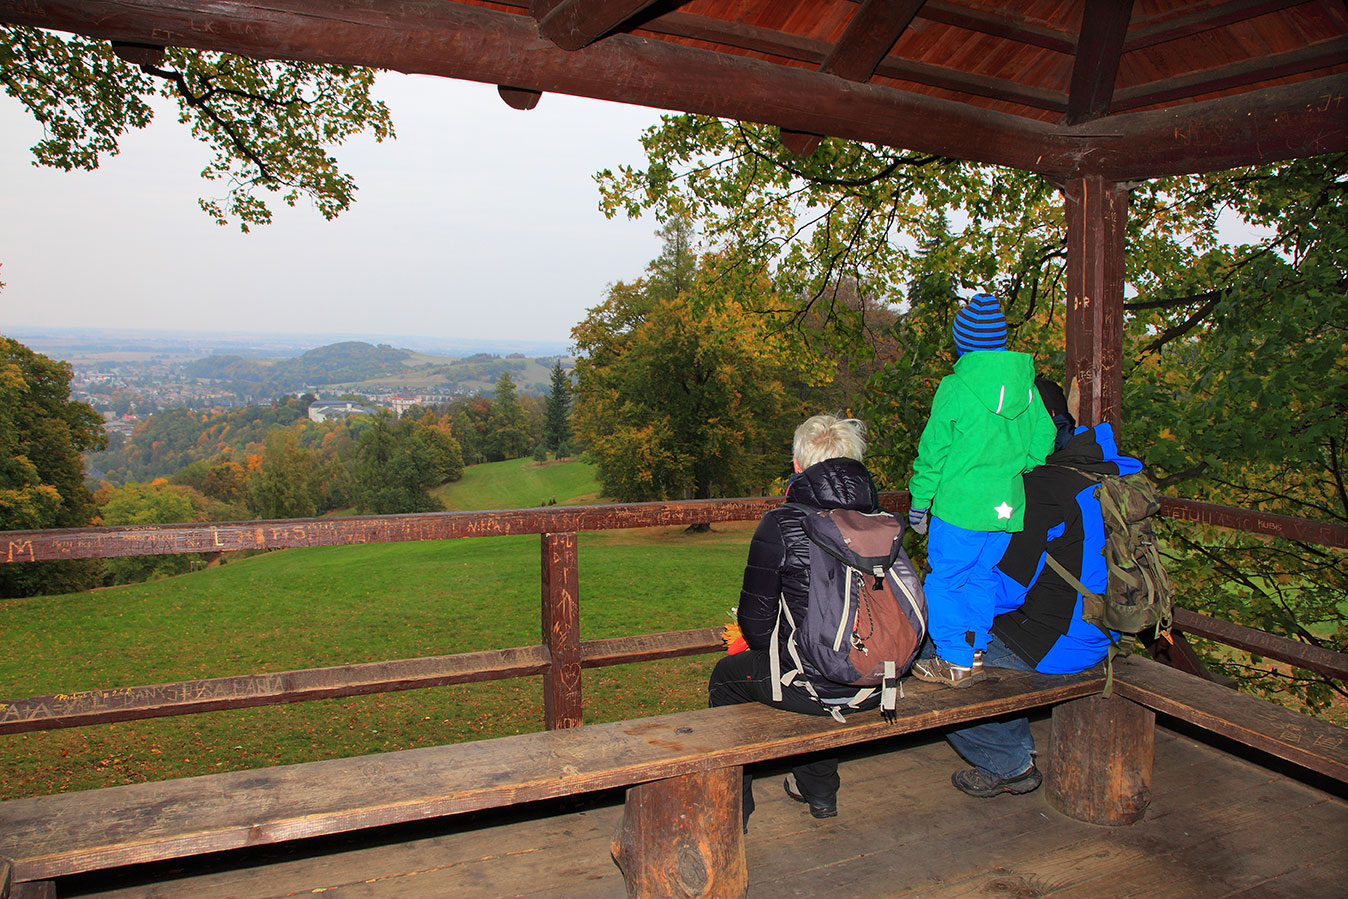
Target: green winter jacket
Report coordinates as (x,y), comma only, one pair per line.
(987,426)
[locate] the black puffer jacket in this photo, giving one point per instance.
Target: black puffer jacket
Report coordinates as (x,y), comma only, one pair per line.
(779,556)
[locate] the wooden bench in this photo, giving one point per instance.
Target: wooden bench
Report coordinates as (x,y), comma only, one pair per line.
(1309,742)
(673,763)
(1099,770)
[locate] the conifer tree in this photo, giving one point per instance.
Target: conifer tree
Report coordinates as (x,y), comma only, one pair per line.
(557,413)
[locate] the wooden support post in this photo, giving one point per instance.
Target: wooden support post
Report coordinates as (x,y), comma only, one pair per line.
(1097,211)
(1100,757)
(562,705)
(683,838)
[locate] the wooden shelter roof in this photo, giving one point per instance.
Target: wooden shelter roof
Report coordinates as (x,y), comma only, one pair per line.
(1124,89)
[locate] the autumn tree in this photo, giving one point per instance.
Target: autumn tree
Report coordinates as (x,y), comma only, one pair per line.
(42,435)
(680,391)
(287,484)
(270,126)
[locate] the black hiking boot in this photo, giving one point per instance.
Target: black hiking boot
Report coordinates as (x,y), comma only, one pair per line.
(818,808)
(982,785)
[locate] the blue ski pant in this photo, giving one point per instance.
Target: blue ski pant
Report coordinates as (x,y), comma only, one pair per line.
(961,588)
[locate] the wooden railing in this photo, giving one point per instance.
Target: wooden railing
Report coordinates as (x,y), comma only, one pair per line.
(559,657)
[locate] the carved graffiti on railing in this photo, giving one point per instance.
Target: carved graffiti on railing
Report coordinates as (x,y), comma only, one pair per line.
(1299,736)
(168,539)
(21,546)
(101,702)
(1284,526)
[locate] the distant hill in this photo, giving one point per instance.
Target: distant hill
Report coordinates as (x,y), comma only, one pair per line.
(356,365)
(334,364)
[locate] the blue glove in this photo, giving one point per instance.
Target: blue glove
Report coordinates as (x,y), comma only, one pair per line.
(917,519)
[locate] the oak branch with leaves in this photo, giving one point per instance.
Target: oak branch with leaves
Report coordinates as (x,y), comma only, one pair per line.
(271,126)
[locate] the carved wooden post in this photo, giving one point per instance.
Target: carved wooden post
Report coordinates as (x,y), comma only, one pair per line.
(683,838)
(1097,211)
(561,632)
(1100,758)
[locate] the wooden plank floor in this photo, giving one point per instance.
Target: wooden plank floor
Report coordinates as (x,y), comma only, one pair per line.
(1217,826)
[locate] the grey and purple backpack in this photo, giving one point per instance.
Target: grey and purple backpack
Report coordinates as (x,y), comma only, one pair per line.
(866,615)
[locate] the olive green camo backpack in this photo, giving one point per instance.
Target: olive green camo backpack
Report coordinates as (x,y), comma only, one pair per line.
(1139,595)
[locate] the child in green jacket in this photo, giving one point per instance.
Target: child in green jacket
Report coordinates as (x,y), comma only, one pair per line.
(987,427)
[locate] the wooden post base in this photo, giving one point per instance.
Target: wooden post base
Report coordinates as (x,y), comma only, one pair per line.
(1100,758)
(683,838)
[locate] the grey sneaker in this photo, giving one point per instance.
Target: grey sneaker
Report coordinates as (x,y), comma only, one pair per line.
(939,671)
(979,783)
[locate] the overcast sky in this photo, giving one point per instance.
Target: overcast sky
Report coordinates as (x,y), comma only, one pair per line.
(478,221)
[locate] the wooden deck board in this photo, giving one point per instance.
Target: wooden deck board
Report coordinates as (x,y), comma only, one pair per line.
(1218,826)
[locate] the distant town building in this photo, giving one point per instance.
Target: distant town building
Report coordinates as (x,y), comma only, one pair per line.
(400,404)
(124,426)
(327,410)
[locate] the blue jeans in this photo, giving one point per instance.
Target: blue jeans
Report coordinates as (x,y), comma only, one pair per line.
(1000,748)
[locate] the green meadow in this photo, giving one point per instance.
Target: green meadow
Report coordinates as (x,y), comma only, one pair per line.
(327,606)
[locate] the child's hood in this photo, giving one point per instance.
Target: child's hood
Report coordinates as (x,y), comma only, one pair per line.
(1001,380)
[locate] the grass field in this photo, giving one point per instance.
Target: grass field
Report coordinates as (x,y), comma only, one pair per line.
(520,484)
(336,605)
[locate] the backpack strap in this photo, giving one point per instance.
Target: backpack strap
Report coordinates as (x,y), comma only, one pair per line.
(1071,579)
(775,652)
(1115,646)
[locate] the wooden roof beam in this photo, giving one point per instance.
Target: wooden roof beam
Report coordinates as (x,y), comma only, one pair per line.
(787,46)
(869,37)
(1149,35)
(520,98)
(1239,74)
(998,26)
(1271,125)
(1103,26)
(573,24)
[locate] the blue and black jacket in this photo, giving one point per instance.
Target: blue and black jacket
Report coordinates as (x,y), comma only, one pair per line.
(1038,613)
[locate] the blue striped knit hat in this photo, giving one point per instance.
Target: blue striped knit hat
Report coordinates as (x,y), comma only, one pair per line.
(979,325)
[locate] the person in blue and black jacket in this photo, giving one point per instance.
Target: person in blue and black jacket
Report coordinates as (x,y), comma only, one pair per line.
(1038,623)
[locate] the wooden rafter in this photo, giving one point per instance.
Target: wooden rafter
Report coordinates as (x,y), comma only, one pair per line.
(572,24)
(802,49)
(869,37)
(1273,124)
(1149,35)
(519,97)
(1237,74)
(1099,47)
(996,25)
